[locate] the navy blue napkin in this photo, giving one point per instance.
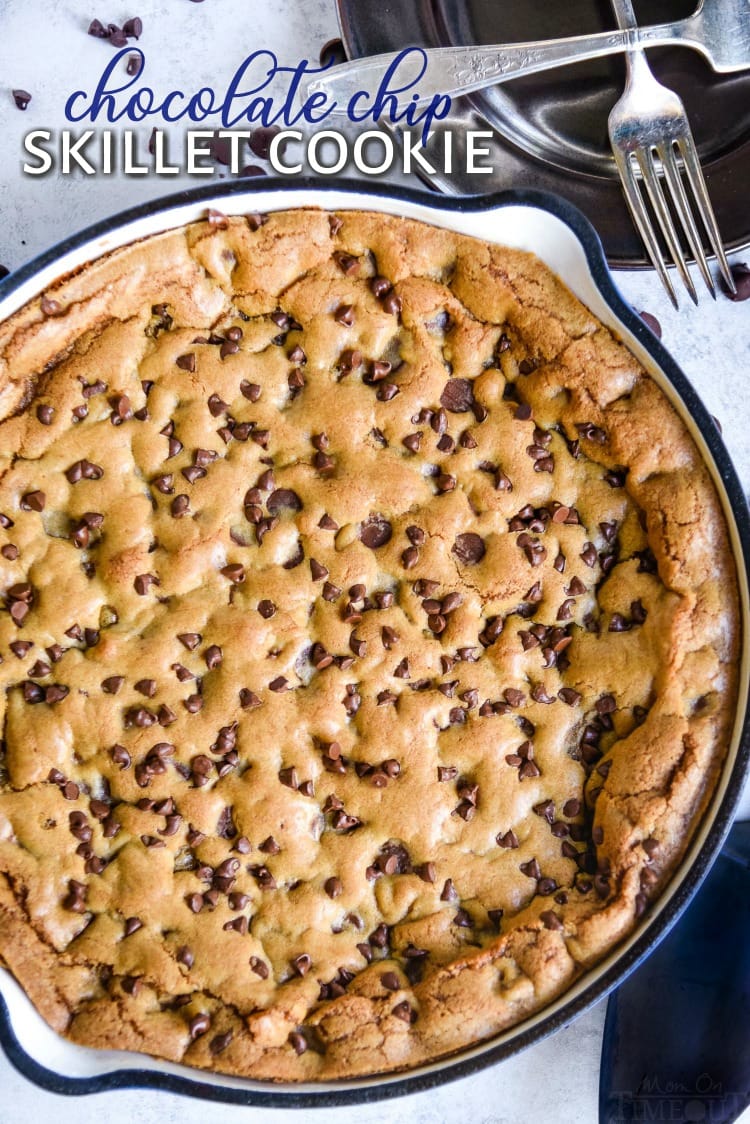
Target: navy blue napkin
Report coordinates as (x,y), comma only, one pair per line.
(677,1035)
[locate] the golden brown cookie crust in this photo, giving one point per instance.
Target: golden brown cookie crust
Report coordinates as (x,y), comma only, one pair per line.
(369,641)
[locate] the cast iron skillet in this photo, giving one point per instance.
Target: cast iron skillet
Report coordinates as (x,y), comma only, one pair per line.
(654,930)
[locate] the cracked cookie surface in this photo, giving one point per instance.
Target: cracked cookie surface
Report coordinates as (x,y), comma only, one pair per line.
(369,640)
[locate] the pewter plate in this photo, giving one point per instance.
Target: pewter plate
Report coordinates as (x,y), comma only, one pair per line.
(551,128)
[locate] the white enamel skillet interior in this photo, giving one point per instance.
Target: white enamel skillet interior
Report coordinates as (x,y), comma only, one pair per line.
(558,234)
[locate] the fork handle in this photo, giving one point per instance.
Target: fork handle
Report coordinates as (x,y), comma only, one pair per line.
(636,64)
(625,15)
(428,74)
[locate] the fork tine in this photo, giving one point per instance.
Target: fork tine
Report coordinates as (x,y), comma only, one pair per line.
(656,195)
(682,206)
(698,184)
(642,220)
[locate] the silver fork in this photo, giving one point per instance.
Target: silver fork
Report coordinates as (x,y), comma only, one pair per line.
(653,145)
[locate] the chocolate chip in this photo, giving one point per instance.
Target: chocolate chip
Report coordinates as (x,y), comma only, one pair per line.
(185,957)
(589,555)
(741,276)
(33,501)
(133,28)
(297,1041)
(531,869)
(55,693)
(410,557)
(24,592)
(175,447)
(83,470)
(200,1024)
(426,871)
(350,360)
(194,902)
(235,573)
(283,498)
(447,772)
(142,583)
(379,370)
(592,433)
(75,900)
(333,887)
(445,482)
(260,141)
(638,613)
(546,810)
(343,822)
(379,286)
(45,414)
(19,611)
(344,314)
(348,265)
(212,656)
(375,532)
(255,221)
(606,704)
(565,612)
(458,396)
(469,548)
(569,696)
(216,219)
(405,1012)
(616,478)
(301,964)
(390,981)
(186,362)
(21,98)
(392,304)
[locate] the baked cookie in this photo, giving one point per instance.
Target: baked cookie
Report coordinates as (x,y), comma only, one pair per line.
(369,638)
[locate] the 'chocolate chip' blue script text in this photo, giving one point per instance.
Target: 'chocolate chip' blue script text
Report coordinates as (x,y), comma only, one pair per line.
(247,98)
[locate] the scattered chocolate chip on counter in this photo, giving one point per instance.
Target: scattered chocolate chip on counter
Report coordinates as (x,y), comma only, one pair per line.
(651,322)
(741,275)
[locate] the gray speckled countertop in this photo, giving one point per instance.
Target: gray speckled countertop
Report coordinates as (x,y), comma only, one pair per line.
(44,49)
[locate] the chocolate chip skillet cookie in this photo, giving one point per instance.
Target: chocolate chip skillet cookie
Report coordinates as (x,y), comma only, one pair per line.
(368,635)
